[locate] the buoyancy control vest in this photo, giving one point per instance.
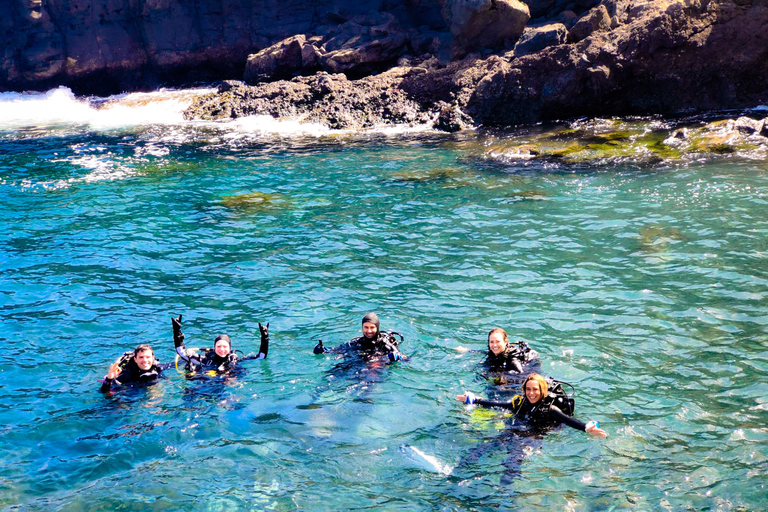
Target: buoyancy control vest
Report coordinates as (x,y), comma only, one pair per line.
(556,396)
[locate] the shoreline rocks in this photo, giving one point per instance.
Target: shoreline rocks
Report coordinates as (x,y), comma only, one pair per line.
(668,57)
(349,67)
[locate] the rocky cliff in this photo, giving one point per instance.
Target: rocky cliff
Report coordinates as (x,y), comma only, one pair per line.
(452,63)
(107,46)
(619,58)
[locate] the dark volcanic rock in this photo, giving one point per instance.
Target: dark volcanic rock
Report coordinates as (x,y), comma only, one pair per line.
(595,21)
(283,60)
(108,46)
(323,98)
(364,44)
(535,39)
(477,24)
(622,56)
(667,56)
(663,56)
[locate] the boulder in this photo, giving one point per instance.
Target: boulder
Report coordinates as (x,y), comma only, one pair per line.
(484,24)
(283,60)
(747,125)
(535,39)
(364,44)
(596,20)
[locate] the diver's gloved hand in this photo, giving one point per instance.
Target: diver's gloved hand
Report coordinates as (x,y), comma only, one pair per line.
(264,348)
(178,336)
(395,356)
(470,399)
(319,348)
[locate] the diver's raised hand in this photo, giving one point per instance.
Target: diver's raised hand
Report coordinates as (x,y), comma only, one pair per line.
(114,370)
(468,397)
(178,336)
(264,348)
(593,428)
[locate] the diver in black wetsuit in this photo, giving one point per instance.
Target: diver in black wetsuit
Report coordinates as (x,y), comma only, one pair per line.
(371,345)
(139,367)
(538,407)
(504,357)
(220,358)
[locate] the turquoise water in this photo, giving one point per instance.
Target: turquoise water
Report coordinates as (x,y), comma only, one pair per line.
(642,284)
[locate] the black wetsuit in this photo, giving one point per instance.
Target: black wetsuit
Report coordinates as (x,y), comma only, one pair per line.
(132,374)
(541,415)
(210,360)
(512,359)
(384,344)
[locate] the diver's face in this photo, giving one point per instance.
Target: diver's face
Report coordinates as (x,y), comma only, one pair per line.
(144,359)
(222,348)
(369,330)
(496,343)
(532,391)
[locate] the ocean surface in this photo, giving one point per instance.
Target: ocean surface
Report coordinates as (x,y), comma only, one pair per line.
(642,281)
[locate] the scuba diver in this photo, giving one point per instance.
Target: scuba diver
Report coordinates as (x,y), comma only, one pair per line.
(544,405)
(505,357)
(137,367)
(371,345)
(221,357)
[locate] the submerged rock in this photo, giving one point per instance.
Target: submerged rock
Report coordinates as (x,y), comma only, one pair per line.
(430,175)
(655,238)
(253,201)
(526,195)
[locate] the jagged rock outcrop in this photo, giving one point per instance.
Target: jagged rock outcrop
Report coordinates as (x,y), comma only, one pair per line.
(108,46)
(324,98)
(292,56)
(663,56)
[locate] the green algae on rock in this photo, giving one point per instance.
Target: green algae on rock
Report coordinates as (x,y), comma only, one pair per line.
(254,201)
(430,175)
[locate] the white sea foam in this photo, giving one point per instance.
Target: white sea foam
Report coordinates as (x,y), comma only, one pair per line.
(264,125)
(268,125)
(430,462)
(61,107)
(101,168)
(35,109)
